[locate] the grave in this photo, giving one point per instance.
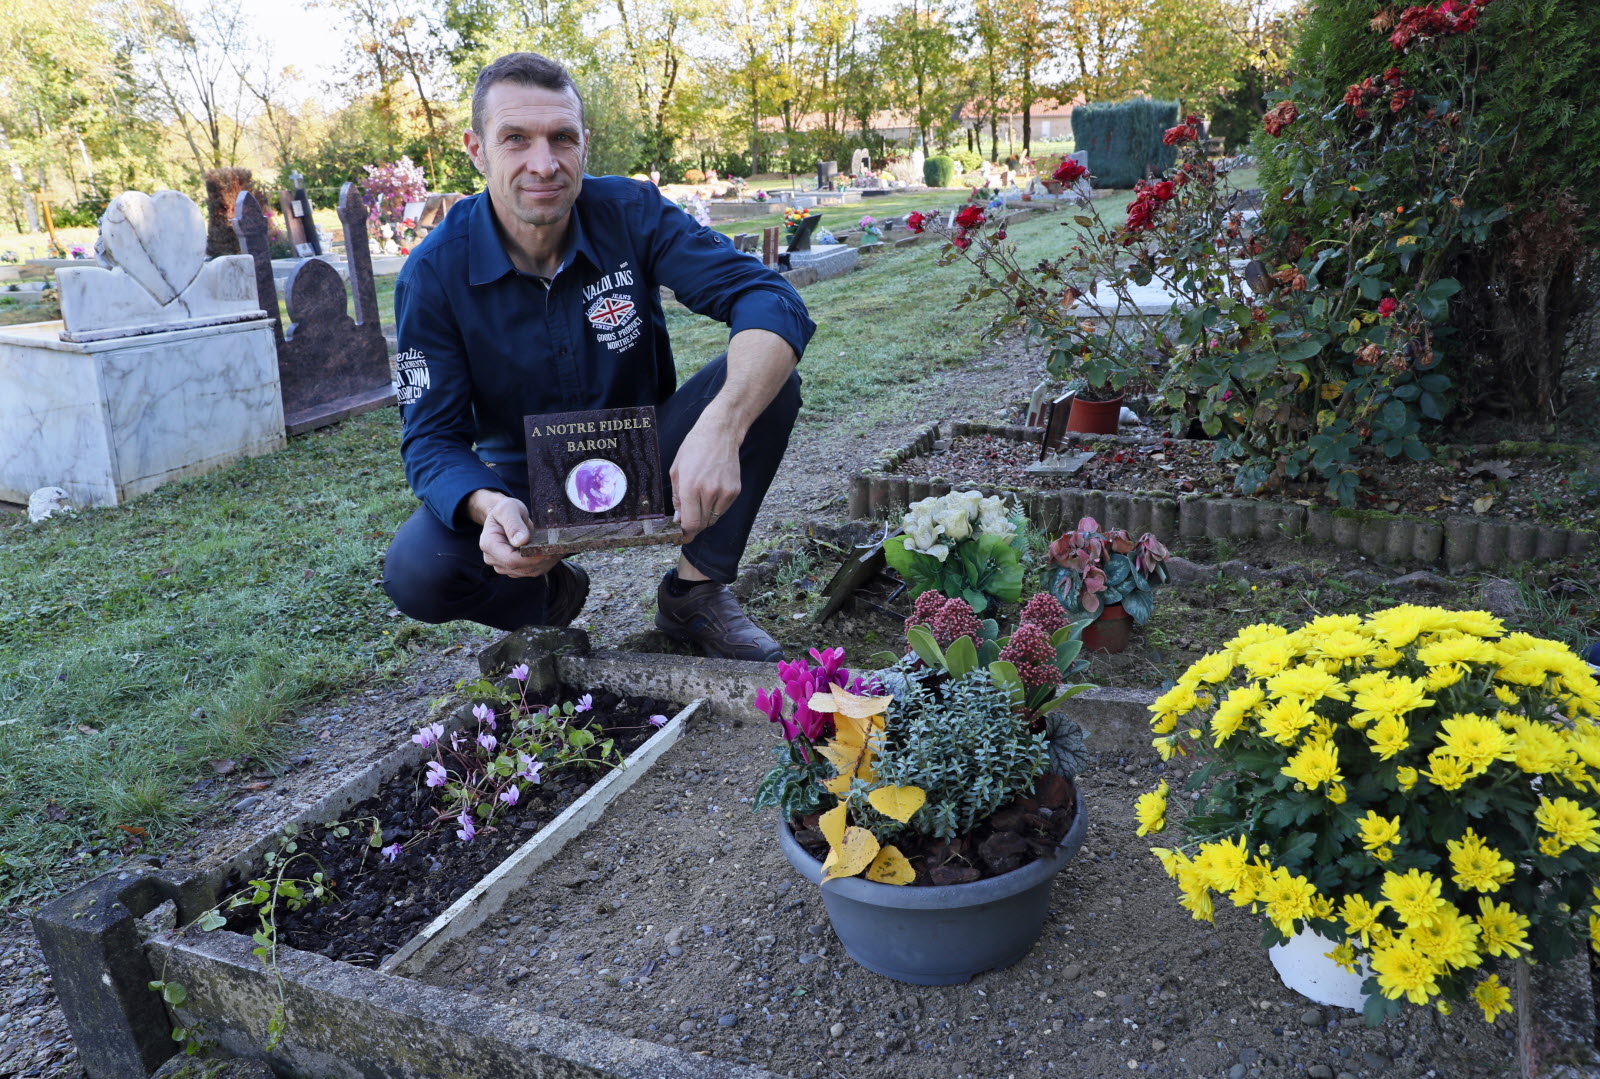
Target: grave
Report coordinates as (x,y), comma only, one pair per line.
(330,366)
(162,365)
(297,218)
(860,162)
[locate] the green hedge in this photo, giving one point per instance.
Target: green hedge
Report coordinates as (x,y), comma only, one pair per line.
(939,171)
(967,159)
(1124,139)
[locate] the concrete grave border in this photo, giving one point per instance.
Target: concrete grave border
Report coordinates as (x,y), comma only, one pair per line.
(1461,543)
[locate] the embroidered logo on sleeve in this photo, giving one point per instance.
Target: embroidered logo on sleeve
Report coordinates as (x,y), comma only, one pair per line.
(412,379)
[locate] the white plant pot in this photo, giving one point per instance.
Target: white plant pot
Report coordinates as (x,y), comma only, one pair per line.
(1304,966)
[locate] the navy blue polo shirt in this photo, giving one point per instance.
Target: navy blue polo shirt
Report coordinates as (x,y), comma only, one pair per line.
(482,344)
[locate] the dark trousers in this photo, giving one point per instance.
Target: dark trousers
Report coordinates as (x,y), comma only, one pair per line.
(437,574)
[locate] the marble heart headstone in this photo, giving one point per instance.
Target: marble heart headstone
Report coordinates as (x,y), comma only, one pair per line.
(159,240)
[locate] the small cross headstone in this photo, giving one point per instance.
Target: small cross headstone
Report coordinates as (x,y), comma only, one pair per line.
(594,480)
(331,366)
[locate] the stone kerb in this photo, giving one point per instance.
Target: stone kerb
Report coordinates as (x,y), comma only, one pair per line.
(1461,543)
(101,969)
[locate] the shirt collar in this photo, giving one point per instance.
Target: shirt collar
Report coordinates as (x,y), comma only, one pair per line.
(486,253)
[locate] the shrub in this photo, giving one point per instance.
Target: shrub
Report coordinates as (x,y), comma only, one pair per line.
(1528,68)
(84,213)
(970,751)
(939,171)
(1124,139)
(693,176)
(967,159)
(222,188)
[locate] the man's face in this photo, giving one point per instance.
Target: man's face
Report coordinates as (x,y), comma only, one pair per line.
(531,152)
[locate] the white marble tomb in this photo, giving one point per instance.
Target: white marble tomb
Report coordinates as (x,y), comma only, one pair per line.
(166,367)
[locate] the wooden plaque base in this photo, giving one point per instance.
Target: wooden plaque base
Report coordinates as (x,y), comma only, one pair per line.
(570,539)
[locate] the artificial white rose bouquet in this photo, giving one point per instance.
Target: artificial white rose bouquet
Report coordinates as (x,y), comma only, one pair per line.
(963,545)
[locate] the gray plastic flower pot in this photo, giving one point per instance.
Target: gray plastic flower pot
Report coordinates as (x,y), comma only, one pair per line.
(939,935)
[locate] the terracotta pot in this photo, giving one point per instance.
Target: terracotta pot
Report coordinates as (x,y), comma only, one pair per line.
(1095,417)
(1109,632)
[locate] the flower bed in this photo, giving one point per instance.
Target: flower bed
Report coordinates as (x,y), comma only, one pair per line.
(1462,543)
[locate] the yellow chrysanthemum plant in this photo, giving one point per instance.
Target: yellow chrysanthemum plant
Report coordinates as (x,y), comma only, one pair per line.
(1419,785)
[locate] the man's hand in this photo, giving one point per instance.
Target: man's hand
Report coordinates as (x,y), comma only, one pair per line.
(506,527)
(705,473)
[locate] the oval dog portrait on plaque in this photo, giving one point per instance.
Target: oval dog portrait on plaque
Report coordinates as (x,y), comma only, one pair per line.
(596,485)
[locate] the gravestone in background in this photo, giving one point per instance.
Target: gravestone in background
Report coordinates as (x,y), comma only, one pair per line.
(331,366)
(860,161)
(162,365)
(297,219)
(802,233)
(434,207)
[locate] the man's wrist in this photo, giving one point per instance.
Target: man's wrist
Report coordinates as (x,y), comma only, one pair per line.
(481,503)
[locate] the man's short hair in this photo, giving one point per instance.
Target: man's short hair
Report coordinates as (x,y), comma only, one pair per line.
(523,69)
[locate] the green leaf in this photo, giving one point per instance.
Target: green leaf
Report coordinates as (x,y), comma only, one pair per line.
(211,920)
(174,994)
(926,648)
(1138,603)
(961,657)
(1004,673)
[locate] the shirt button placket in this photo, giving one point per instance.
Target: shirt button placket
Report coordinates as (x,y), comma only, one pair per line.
(560,322)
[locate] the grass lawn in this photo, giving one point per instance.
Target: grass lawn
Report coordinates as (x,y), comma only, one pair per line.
(139,644)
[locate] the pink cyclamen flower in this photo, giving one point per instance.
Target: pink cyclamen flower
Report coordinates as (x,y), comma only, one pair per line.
(429,736)
(520,672)
(391,852)
(488,742)
(585,703)
(510,796)
(467,832)
(484,714)
(658,721)
(437,776)
(530,769)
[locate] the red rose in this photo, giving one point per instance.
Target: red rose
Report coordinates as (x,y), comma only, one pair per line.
(1401,99)
(961,241)
(1175,135)
(1000,235)
(916,222)
(1279,117)
(1193,119)
(1393,76)
(1069,171)
(970,217)
(1386,306)
(1164,190)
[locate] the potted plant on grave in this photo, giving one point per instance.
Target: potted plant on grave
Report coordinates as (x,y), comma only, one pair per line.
(962,544)
(1416,787)
(1109,577)
(932,800)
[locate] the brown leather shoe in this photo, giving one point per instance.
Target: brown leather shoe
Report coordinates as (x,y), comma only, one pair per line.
(569,590)
(710,617)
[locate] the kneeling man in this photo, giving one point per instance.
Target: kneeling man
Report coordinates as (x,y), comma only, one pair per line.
(542,294)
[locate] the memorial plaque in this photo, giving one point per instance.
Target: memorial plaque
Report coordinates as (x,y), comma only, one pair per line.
(594,480)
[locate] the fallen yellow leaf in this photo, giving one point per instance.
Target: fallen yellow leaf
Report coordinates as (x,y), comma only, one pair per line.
(851,762)
(841,700)
(853,854)
(897,802)
(832,823)
(851,731)
(891,867)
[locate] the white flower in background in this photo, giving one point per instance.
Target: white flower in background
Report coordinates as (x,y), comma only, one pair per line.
(992,517)
(956,522)
(921,533)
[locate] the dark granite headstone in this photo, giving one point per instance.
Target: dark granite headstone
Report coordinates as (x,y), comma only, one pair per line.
(300,228)
(330,366)
(595,477)
(802,233)
(1055,425)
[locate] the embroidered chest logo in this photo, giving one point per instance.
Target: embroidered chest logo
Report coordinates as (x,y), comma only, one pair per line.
(613,314)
